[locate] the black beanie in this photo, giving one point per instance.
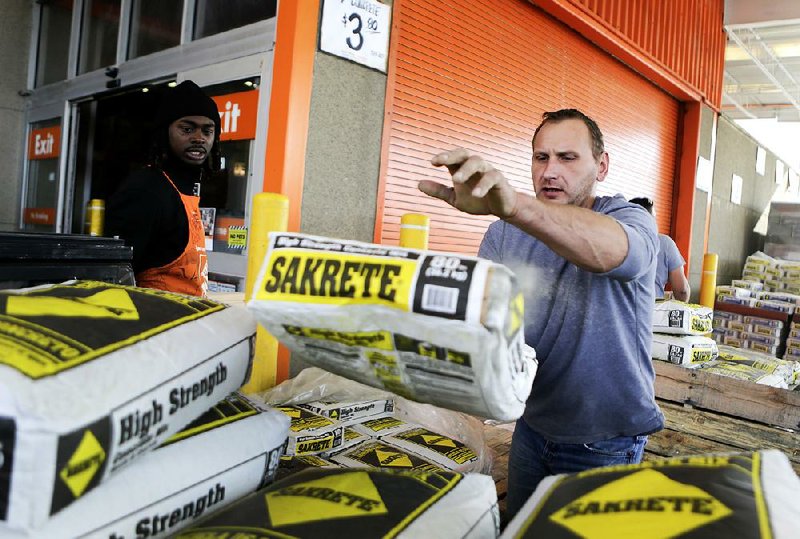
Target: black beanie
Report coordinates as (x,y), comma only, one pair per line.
(186,99)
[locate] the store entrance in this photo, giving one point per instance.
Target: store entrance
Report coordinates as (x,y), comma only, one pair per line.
(114,136)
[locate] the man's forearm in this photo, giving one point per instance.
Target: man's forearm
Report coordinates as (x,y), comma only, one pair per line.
(590,240)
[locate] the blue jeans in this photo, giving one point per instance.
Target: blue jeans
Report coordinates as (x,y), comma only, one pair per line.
(532,458)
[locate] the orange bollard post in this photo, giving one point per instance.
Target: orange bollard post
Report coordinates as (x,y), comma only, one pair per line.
(270,214)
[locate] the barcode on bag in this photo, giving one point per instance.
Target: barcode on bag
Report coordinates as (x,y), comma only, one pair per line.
(439,299)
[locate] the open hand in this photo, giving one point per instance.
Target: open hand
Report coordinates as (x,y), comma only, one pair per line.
(478,188)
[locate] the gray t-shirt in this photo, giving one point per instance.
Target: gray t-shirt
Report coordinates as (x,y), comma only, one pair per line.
(592,331)
(669,258)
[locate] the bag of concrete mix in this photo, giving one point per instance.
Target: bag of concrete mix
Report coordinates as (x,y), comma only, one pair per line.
(679,318)
(310,433)
(684,350)
(363,503)
(230,451)
(348,413)
(434,327)
(747,496)
(95,375)
(314,384)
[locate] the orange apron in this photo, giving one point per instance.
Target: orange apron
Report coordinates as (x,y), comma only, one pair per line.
(187,274)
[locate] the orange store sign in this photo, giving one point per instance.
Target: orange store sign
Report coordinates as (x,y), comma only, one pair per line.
(44,143)
(237,115)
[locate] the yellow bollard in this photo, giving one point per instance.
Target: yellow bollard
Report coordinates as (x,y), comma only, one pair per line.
(414,229)
(708,281)
(270,214)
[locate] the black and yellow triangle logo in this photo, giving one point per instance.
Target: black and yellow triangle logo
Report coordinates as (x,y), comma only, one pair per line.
(344,495)
(84,463)
(434,439)
(393,459)
(646,503)
(112,303)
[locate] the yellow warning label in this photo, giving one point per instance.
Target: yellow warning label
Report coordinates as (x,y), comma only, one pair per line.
(337,279)
(620,509)
(237,237)
(83,464)
(393,459)
(345,495)
(114,303)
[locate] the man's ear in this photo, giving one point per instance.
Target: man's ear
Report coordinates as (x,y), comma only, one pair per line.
(602,167)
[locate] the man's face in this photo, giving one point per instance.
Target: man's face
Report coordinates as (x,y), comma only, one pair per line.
(563,168)
(191,138)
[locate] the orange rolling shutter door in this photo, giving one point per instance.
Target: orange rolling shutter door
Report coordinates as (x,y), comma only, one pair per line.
(468,75)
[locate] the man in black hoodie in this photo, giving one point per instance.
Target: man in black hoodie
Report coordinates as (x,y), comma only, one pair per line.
(156,209)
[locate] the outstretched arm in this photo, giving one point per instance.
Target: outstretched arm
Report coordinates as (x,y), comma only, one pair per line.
(590,240)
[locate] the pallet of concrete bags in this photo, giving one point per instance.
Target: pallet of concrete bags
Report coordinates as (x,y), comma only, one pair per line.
(362,503)
(230,451)
(94,375)
(747,496)
(434,327)
(680,318)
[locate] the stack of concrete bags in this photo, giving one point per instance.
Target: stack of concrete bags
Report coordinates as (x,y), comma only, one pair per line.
(750,495)
(679,333)
(363,503)
(337,422)
(229,452)
(93,378)
(751,332)
(440,328)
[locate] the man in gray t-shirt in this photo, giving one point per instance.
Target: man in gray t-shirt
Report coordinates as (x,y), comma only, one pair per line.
(587,266)
(669,268)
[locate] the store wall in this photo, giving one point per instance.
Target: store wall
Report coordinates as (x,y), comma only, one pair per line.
(738,230)
(15,38)
(343,151)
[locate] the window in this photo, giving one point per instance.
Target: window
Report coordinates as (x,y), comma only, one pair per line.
(99,35)
(55,28)
(215,16)
(155,26)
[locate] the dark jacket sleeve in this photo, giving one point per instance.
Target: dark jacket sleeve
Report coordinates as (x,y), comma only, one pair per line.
(147,213)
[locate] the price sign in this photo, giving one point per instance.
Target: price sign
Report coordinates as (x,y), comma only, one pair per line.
(357,30)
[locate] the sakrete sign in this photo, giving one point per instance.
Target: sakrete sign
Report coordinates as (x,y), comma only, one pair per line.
(237,115)
(44,143)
